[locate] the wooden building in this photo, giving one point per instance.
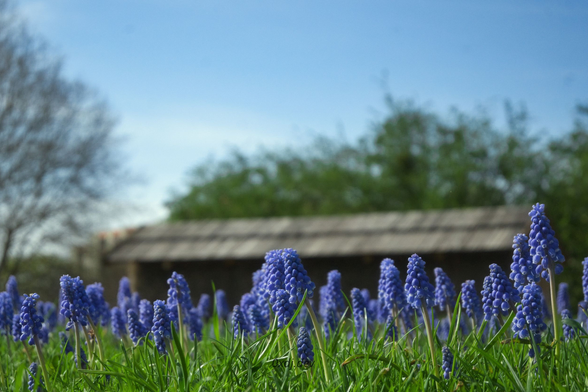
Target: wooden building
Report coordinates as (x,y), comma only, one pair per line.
(464,242)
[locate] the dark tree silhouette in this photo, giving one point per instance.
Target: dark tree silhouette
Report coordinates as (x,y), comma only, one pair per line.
(58,156)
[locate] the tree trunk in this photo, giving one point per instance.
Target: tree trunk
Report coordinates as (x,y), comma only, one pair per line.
(6,249)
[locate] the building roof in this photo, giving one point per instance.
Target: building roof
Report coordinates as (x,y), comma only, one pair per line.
(381,233)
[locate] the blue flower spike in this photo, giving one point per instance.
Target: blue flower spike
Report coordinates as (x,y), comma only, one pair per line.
(161,326)
(420,295)
(528,322)
(547,257)
(304,348)
(444,292)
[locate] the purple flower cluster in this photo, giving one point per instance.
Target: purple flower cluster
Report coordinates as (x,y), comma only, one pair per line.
(179,293)
(444,290)
(6,311)
(544,251)
(419,292)
(98,309)
(161,325)
(497,293)
(75,304)
(528,320)
(136,328)
(31,323)
(523,271)
(222,306)
(35,378)
(360,313)
(304,347)
(12,290)
(124,296)
(240,325)
(447,362)
(296,280)
(568,330)
(470,300)
(146,314)
(283,308)
(391,292)
(195,324)
(333,295)
(117,322)
(204,305)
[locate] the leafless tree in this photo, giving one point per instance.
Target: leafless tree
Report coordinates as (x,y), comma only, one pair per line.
(59,159)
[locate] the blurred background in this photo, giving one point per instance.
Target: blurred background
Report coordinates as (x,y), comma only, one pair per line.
(121,117)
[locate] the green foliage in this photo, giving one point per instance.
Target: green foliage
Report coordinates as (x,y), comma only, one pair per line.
(414,159)
(264,363)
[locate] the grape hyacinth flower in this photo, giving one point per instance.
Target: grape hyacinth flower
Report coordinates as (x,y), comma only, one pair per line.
(523,271)
(333,291)
(528,318)
(447,364)
(391,293)
(274,275)
(98,306)
(296,280)
(204,306)
(563,298)
(247,300)
(240,325)
(34,378)
(444,291)
(420,295)
(195,324)
(222,306)
(16,329)
(146,314)
(12,290)
(544,250)
(283,308)
(568,331)
(497,293)
(256,320)
(179,293)
(135,301)
(373,309)
(583,305)
(6,312)
(304,346)
(117,322)
(330,321)
(360,314)
(76,304)
(547,257)
(124,296)
(471,302)
(31,322)
(161,325)
(324,301)
(136,329)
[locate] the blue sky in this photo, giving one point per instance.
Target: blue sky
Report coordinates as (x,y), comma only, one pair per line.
(189,79)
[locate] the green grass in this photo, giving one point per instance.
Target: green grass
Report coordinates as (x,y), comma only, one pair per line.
(497,363)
